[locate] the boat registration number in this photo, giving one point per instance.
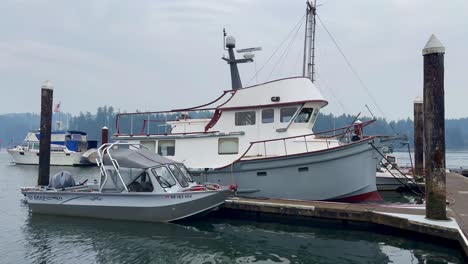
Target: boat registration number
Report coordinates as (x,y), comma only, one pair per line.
(179,196)
(44,197)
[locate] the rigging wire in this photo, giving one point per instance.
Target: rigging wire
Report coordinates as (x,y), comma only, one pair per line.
(276,50)
(327,87)
(284,55)
(353,70)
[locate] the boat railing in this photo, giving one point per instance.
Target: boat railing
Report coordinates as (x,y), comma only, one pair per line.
(156,122)
(105,149)
(288,145)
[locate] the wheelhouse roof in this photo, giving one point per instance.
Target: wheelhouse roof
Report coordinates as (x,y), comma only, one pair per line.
(288,91)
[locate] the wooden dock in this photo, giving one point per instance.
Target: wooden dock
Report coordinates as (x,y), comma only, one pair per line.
(405,217)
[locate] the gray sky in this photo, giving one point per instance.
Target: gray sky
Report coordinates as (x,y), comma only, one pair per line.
(157,55)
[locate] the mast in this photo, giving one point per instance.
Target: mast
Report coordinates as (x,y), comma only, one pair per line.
(229,45)
(309,41)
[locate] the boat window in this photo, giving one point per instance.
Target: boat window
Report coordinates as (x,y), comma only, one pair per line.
(35,146)
(184,170)
(76,136)
(151,145)
(245,118)
(142,183)
(304,115)
(178,175)
(228,146)
(287,113)
(164,177)
(166,147)
(268,116)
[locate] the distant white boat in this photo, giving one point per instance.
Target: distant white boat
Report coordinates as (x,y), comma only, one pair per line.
(389,176)
(66,149)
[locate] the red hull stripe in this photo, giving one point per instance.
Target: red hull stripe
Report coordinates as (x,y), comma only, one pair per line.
(365,197)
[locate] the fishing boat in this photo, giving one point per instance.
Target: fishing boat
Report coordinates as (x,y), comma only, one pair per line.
(260,137)
(67,148)
(134,184)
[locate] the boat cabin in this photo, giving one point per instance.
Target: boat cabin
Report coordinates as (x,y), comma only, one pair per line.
(280,114)
(140,170)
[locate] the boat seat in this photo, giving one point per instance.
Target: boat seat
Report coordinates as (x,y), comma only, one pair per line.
(135,187)
(147,187)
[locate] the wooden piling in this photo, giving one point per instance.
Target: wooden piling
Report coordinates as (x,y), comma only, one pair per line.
(434,129)
(418,137)
(104,135)
(45,133)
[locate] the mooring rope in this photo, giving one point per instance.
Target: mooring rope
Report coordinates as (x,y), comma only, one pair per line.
(421,192)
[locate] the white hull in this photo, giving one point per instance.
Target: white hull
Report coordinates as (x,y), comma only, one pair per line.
(345,173)
(386,182)
(149,207)
(56,158)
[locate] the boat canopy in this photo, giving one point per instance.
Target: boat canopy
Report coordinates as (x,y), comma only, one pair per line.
(136,158)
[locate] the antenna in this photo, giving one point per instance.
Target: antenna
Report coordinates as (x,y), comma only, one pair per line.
(249,50)
(224,39)
(229,45)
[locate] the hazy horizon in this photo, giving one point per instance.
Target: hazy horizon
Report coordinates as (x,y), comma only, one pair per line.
(157,55)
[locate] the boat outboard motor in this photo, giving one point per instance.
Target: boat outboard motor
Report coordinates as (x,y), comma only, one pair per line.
(62,180)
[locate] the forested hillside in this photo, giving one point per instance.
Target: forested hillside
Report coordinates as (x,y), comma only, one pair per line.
(13,127)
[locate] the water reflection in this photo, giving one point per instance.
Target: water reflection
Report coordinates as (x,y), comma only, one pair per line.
(54,239)
(26,238)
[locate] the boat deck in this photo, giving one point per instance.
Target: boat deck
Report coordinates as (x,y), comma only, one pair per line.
(407,217)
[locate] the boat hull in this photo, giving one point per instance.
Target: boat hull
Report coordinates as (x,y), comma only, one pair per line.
(387,182)
(148,207)
(345,173)
(56,158)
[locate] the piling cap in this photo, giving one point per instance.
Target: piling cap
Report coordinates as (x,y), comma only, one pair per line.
(47,85)
(104,127)
(433,45)
(418,100)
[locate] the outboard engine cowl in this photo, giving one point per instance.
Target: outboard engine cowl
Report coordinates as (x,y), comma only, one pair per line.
(62,180)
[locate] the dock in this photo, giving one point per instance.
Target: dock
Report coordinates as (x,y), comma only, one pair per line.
(409,218)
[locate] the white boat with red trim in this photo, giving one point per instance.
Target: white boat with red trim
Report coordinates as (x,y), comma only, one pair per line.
(260,138)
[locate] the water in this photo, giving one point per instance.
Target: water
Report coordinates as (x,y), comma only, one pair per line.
(25,238)
(453,158)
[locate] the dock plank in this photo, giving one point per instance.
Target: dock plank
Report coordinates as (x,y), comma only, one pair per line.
(457,197)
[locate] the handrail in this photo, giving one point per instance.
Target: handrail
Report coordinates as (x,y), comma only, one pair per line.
(363,124)
(101,152)
(190,109)
(195,108)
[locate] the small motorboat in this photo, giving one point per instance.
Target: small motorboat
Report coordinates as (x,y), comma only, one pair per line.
(134,184)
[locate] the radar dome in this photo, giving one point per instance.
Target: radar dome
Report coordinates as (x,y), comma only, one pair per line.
(230,42)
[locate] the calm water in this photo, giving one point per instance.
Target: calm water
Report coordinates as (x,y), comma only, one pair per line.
(453,158)
(47,239)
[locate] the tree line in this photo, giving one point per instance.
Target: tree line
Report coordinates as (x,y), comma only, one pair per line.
(14,127)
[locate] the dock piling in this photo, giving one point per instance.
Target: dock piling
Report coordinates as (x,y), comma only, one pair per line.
(434,129)
(104,135)
(418,138)
(45,133)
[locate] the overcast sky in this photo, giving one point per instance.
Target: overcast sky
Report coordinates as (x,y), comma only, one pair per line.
(157,55)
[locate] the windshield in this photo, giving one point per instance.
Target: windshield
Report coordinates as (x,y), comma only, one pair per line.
(179,176)
(187,175)
(164,177)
